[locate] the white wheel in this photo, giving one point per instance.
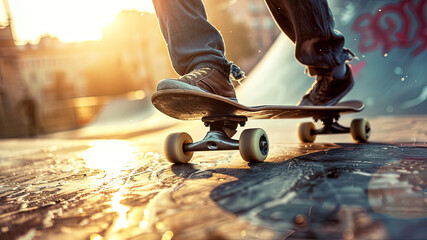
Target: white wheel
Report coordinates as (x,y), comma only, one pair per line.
(253,145)
(173,147)
(306,132)
(360,130)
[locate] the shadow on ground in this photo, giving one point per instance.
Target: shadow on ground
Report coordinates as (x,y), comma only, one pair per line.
(365,191)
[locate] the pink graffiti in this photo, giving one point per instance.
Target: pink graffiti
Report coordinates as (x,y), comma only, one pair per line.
(402,24)
(357,68)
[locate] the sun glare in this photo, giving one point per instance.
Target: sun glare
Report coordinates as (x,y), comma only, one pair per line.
(112,156)
(69,20)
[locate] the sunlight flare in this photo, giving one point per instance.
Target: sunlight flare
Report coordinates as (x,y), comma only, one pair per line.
(111,156)
(121,222)
(70,21)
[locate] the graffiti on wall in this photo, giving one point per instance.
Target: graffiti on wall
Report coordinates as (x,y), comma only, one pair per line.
(402,24)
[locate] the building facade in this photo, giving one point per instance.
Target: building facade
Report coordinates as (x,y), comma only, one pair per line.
(12,88)
(59,77)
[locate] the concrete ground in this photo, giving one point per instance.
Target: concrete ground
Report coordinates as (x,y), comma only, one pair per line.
(105,188)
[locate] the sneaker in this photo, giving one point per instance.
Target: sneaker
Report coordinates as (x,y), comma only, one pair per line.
(327,91)
(207,80)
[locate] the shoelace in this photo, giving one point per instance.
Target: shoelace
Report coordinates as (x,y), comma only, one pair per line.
(196,73)
(320,87)
(236,74)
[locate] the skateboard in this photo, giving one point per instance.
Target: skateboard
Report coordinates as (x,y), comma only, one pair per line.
(223,116)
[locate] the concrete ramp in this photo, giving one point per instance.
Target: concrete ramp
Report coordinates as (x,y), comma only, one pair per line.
(121,118)
(389,39)
(123,110)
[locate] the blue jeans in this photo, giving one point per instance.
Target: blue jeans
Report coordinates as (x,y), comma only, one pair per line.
(194,43)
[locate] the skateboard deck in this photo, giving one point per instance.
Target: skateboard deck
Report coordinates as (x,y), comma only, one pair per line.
(223,116)
(192,105)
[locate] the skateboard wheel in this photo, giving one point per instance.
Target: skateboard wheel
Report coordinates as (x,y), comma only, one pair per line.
(306,132)
(173,147)
(253,145)
(360,130)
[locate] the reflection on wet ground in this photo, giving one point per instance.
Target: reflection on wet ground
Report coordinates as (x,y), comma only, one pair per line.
(355,191)
(125,189)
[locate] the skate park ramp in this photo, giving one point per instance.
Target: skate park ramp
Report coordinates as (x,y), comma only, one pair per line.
(123,110)
(121,117)
(390,41)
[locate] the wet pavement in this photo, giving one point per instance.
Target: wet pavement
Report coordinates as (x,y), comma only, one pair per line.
(125,189)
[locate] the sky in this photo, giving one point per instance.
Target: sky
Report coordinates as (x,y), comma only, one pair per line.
(69,20)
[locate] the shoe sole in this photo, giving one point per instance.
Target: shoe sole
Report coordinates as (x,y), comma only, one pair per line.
(168,84)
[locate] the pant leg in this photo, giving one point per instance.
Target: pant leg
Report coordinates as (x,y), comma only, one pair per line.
(310,25)
(191,40)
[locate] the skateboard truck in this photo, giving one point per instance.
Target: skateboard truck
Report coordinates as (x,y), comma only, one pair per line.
(227,125)
(219,136)
(331,125)
(252,144)
(360,129)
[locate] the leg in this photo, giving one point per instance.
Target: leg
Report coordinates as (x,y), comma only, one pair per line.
(192,41)
(196,49)
(310,25)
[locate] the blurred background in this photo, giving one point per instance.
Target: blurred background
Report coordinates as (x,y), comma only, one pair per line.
(63,62)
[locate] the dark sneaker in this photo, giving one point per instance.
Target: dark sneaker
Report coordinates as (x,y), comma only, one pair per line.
(327,91)
(207,80)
